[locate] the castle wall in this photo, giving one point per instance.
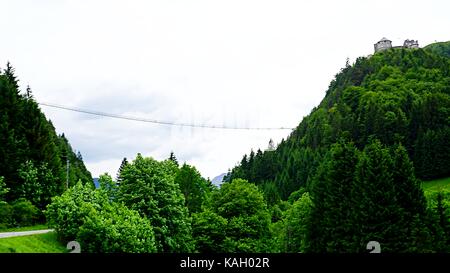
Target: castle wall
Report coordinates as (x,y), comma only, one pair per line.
(386,44)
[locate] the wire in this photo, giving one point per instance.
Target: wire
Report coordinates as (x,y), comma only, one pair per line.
(91,112)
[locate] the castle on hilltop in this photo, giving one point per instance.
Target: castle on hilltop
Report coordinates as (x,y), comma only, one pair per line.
(384,44)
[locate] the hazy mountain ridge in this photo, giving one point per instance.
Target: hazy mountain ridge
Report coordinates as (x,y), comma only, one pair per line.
(218,180)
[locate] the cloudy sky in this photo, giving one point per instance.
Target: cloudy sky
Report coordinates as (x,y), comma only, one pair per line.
(225,63)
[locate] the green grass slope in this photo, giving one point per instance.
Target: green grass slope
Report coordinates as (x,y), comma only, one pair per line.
(40,243)
(436,185)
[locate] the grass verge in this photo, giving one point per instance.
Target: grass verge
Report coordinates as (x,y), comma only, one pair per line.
(39,243)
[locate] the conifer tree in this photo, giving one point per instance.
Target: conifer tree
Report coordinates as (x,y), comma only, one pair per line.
(378,215)
(412,203)
(10,75)
(331,227)
(443,222)
(409,193)
(442,212)
(121,168)
(173,158)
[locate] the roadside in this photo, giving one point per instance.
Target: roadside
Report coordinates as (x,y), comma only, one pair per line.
(26,228)
(23,233)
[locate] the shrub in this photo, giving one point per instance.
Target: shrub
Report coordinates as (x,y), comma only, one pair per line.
(116,229)
(6,215)
(98,224)
(24,212)
(67,212)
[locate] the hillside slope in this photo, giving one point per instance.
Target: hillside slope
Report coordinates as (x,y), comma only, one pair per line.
(41,243)
(396,96)
(32,156)
(442,48)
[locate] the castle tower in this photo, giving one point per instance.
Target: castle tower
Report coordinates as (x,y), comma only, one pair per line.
(411,44)
(383,44)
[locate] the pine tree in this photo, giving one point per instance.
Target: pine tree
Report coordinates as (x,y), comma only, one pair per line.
(441,211)
(331,228)
(173,158)
(409,191)
(378,216)
(10,75)
(244,167)
(411,200)
(436,217)
(251,167)
(123,165)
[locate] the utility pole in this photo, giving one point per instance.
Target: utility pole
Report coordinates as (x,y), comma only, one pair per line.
(67,172)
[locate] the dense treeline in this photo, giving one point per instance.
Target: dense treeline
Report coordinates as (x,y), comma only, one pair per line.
(369,195)
(396,96)
(159,206)
(150,206)
(32,155)
(357,196)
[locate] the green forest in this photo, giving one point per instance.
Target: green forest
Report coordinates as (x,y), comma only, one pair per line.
(354,170)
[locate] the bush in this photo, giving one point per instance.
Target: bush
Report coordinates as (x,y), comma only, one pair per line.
(24,213)
(116,229)
(99,225)
(67,212)
(6,215)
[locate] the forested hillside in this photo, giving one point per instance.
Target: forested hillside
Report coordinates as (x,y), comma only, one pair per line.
(442,48)
(32,156)
(399,96)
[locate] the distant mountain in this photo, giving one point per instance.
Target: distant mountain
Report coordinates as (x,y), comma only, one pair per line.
(218,179)
(96,183)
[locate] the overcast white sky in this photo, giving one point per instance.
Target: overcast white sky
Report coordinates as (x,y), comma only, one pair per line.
(234,63)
